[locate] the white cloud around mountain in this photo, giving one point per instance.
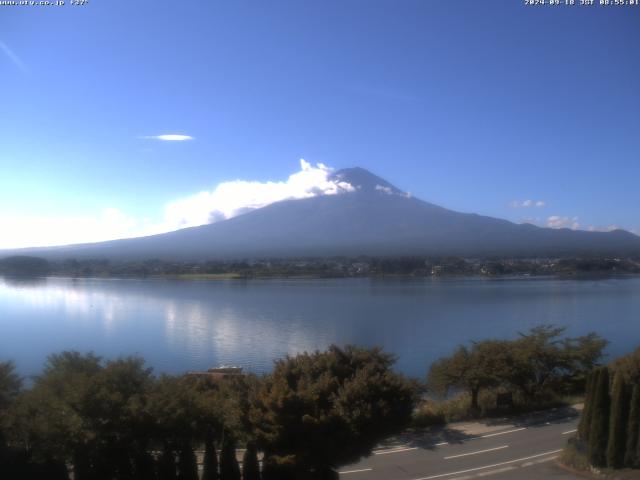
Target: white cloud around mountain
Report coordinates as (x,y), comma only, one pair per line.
(226,200)
(233,198)
(556,221)
(609,228)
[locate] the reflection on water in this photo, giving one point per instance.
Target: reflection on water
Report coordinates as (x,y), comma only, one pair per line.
(179,325)
(24,281)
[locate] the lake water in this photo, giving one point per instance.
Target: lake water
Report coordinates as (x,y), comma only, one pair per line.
(190,325)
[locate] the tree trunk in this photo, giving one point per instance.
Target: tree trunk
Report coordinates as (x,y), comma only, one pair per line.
(475,392)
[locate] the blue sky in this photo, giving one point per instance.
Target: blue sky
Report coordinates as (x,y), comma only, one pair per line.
(478,106)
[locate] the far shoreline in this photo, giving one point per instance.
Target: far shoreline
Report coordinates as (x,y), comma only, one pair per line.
(198,277)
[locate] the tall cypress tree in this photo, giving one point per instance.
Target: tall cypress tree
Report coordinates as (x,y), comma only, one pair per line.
(210,467)
(167,464)
(599,430)
(250,465)
(631,458)
(187,462)
(618,422)
(585,418)
(229,468)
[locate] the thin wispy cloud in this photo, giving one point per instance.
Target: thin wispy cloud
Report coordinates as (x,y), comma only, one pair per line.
(527,204)
(169,137)
(13,57)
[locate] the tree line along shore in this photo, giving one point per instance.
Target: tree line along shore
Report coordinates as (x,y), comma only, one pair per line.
(335,267)
(84,417)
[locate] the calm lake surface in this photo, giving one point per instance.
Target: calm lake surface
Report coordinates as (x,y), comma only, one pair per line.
(189,325)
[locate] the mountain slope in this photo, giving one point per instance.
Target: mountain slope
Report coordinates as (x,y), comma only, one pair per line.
(375,219)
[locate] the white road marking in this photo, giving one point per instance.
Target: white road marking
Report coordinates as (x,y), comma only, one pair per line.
(499,433)
(535,462)
(390,447)
(570,431)
(476,452)
(396,450)
(495,472)
(488,466)
(355,471)
(441,443)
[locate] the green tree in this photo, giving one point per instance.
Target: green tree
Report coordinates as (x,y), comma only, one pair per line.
(175,408)
(115,410)
(538,358)
(629,366)
(49,420)
(631,457)
(599,430)
(470,369)
(10,386)
(618,422)
(584,353)
(349,395)
(250,465)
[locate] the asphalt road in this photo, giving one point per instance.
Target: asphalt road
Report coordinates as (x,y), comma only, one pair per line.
(523,451)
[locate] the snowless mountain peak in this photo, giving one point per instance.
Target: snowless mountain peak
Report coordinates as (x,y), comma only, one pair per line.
(363,181)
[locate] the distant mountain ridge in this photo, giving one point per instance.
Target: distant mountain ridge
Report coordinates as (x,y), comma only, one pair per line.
(372,218)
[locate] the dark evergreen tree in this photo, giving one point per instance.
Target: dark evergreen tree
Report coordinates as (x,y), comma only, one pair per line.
(54,470)
(229,468)
(81,466)
(599,430)
(210,467)
(250,465)
(618,422)
(187,462)
(167,465)
(144,465)
(631,458)
(585,418)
